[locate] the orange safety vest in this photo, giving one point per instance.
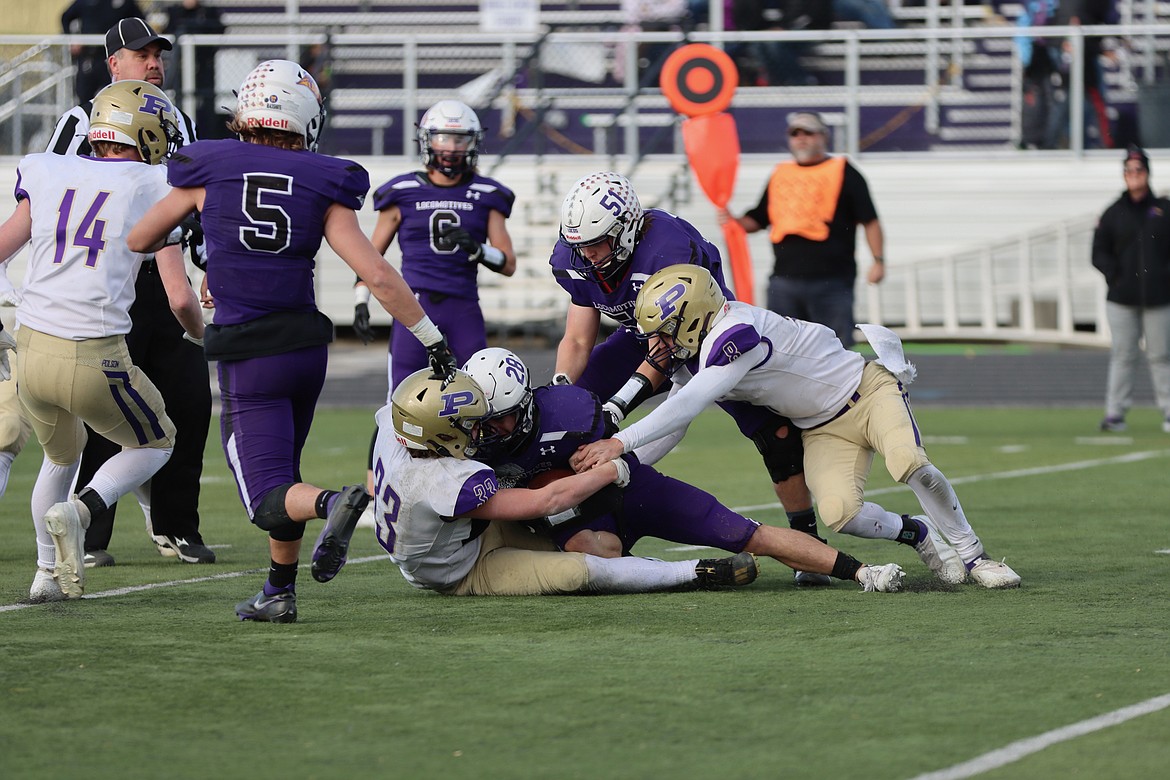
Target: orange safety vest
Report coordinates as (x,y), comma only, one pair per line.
(802,199)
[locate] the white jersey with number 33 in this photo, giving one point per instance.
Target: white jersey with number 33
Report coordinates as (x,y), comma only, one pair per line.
(80,278)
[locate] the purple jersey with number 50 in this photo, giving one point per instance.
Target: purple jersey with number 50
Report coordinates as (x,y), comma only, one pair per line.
(667,240)
(264,218)
(429,261)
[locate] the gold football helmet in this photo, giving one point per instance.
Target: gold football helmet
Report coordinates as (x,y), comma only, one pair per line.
(138,114)
(430,416)
(679,304)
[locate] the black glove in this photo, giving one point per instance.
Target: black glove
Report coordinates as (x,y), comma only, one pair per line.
(462,239)
(612,424)
(193,240)
(361,323)
(443,365)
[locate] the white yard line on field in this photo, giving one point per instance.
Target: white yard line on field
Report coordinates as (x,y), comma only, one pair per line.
(227,575)
(1131,457)
(1026,747)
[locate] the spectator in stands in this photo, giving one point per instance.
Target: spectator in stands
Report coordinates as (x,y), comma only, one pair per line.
(1131,247)
(91,17)
(191,17)
(781,59)
(814,204)
(1041,60)
(1096,118)
(873,14)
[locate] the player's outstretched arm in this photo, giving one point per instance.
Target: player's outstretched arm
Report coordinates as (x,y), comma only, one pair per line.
(181,298)
(151,232)
(582,324)
(553,498)
(16,231)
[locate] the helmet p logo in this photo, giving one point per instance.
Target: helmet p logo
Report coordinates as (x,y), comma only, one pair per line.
(153,104)
(454,401)
(666,301)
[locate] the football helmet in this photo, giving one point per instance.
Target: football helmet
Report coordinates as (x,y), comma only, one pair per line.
(430,414)
(281,95)
(138,114)
(599,206)
(449,136)
(680,302)
(505,382)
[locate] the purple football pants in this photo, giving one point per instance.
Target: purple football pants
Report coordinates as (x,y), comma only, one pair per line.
(268,406)
(459,319)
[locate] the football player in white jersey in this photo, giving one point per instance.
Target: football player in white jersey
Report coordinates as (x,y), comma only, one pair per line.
(15,429)
(847,408)
(447,524)
(74,313)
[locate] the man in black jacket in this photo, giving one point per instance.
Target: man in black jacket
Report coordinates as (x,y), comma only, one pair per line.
(1131,247)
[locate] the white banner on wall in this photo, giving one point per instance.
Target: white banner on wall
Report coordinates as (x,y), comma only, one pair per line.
(509,15)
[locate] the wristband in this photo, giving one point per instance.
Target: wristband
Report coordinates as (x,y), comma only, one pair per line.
(493,258)
(425,331)
(636,390)
(623,472)
(615,411)
(561,379)
(879,259)
(361,294)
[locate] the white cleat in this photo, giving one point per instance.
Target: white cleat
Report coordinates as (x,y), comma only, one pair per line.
(881,579)
(64,523)
(994,574)
(942,559)
(44,588)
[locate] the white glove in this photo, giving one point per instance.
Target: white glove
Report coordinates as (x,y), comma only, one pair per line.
(192,339)
(6,343)
(10,297)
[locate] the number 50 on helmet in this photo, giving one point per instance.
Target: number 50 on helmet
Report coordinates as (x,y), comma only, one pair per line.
(429,414)
(679,304)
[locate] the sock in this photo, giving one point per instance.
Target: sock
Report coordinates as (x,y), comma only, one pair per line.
(912,533)
(637,575)
(127,470)
(873,522)
(6,459)
(805,521)
(324,503)
(93,503)
(938,498)
(282,577)
(845,567)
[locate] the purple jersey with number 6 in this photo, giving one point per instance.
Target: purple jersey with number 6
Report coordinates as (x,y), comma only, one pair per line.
(264,218)
(429,261)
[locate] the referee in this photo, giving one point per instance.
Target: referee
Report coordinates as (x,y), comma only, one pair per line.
(175,365)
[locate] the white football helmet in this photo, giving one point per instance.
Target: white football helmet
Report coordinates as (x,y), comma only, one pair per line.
(449,136)
(138,114)
(505,382)
(429,414)
(281,95)
(682,302)
(599,206)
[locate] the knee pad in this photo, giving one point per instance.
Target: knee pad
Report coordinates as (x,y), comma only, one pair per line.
(903,461)
(11,438)
(836,512)
(783,457)
(271,514)
(289,532)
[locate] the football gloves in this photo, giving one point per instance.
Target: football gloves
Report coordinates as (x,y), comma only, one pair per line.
(361,323)
(462,239)
(192,240)
(443,363)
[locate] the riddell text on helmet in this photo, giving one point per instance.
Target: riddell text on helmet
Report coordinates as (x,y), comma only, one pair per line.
(265,121)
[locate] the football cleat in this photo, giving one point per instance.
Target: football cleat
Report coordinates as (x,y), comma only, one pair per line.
(278,608)
(994,574)
(64,523)
(333,543)
(1113,424)
(44,588)
(187,551)
(95,559)
(881,579)
(733,572)
(940,557)
(811,579)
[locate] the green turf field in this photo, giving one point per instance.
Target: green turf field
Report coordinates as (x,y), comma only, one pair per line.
(152,676)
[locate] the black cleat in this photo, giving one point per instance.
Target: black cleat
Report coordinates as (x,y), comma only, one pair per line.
(333,543)
(733,572)
(186,550)
(281,608)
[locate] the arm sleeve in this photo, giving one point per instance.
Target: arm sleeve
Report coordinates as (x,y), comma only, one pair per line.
(656,450)
(684,404)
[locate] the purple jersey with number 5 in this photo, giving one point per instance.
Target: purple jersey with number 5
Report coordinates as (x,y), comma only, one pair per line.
(264,218)
(668,240)
(430,262)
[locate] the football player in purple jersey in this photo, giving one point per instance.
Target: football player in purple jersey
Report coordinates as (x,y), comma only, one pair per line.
(609,246)
(267,200)
(448,220)
(527,432)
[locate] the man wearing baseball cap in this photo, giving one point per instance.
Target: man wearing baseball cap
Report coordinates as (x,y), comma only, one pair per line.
(93,17)
(176,366)
(814,204)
